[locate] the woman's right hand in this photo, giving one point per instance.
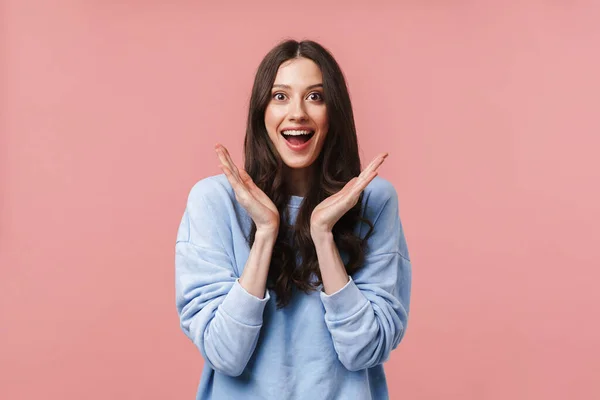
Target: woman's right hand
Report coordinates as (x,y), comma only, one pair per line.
(258,205)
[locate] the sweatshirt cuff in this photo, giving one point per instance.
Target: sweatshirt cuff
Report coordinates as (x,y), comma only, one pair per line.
(244,307)
(344,303)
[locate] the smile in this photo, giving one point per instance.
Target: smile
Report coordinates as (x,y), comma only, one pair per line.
(298,140)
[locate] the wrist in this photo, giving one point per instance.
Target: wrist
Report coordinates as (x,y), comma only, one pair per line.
(319,235)
(268,233)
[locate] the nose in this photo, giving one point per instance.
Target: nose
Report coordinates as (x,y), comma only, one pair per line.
(297,111)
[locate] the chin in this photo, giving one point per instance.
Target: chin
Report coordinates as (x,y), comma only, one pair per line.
(297,165)
(298,160)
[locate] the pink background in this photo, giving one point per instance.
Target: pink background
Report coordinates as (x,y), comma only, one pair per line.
(489,111)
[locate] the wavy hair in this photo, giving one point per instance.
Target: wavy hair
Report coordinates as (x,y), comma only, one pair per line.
(338,162)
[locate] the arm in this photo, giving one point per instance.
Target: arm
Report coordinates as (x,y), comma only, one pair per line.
(367,314)
(220,313)
(255,273)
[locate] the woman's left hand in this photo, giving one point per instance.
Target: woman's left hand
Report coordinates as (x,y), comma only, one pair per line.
(329,211)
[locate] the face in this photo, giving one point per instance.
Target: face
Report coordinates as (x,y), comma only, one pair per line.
(296,116)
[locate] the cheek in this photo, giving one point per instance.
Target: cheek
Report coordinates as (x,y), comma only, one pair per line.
(270,123)
(324,123)
(272,119)
(322,120)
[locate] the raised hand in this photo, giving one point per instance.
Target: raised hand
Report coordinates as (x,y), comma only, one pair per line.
(329,211)
(258,205)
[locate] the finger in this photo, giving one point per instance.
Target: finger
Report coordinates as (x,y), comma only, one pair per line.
(232,165)
(366,176)
(247,179)
(362,184)
(222,156)
(238,187)
(236,184)
(225,160)
(377,161)
(254,189)
(374,165)
(348,186)
(355,186)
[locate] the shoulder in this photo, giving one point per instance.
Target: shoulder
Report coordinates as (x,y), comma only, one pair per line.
(214,190)
(381,188)
(381,207)
(208,213)
(379,194)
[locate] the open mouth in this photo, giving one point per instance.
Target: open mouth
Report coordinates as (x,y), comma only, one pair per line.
(297,138)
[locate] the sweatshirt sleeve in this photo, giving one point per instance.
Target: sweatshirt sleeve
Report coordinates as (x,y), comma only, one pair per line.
(367,318)
(221,318)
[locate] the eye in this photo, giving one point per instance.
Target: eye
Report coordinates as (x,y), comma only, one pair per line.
(319,96)
(278,94)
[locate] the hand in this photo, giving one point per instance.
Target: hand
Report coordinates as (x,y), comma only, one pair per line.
(258,205)
(329,211)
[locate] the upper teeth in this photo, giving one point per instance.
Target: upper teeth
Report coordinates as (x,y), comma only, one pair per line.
(296,133)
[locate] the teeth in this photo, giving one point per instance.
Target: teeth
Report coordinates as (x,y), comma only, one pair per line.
(296,133)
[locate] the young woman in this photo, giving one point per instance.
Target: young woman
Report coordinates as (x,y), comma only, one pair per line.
(293,276)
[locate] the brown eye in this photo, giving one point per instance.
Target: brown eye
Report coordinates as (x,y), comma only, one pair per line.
(319,96)
(277,94)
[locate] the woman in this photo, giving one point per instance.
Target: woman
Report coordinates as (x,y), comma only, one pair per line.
(292,275)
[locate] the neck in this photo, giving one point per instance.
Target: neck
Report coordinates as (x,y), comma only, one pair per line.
(298,180)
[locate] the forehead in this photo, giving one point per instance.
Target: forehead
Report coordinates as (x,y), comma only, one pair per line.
(298,72)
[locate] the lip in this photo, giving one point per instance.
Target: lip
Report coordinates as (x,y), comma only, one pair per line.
(296,128)
(302,146)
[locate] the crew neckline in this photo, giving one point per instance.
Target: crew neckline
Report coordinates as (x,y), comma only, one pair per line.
(295,201)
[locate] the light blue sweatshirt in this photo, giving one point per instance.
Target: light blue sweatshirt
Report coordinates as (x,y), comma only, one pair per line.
(320,346)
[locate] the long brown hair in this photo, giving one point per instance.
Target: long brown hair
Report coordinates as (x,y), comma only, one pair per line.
(338,162)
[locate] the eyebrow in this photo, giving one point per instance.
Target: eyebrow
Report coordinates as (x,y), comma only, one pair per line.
(307,88)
